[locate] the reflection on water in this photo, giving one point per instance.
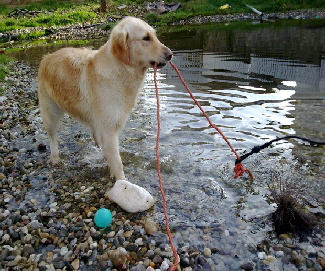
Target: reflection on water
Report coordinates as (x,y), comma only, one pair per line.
(255,85)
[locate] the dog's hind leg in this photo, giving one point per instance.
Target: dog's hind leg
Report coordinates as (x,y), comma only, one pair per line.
(51,115)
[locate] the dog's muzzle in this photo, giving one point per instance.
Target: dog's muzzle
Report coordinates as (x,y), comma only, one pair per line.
(168,55)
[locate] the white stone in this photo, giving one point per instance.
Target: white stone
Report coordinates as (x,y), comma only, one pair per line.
(279,254)
(164,266)
(5,238)
(261,255)
(2,98)
(93,245)
(207,252)
(130,197)
(64,251)
(24,230)
(139,241)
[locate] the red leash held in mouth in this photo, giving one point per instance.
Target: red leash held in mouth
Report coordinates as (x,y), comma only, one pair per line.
(170,238)
(238,169)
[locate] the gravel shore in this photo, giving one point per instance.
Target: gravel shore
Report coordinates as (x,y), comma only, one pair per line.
(46,213)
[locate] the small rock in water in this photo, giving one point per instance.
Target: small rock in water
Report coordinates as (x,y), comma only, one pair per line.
(279,254)
(261,255)
(247,266)
(207,252)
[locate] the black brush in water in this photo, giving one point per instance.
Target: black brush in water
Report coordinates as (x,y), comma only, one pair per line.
(290,216)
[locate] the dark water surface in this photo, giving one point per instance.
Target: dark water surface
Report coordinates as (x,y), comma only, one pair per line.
(255,84)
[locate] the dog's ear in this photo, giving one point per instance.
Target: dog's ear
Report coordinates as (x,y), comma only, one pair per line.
(120,47)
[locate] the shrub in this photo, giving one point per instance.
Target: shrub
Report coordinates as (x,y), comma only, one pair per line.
(290,215)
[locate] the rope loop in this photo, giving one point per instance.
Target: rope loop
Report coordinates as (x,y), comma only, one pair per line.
(240,170)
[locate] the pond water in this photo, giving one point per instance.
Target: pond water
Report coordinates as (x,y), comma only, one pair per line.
(256,84)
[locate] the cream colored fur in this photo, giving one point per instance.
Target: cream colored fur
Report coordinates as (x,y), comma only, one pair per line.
(99,87)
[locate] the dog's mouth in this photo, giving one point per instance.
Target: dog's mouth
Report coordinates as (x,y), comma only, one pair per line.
(158,64)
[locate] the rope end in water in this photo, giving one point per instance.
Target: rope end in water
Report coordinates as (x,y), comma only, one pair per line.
(240,170)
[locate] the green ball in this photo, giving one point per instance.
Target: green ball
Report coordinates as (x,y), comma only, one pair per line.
(103,218)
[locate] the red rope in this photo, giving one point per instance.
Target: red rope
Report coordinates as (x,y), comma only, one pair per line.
(176,258)
(239,168)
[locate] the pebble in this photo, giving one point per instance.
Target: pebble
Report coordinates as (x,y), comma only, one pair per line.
(164,266)
(75,264)
(261,255)
(279,254)
(150,226)
(207,252)
(321,262)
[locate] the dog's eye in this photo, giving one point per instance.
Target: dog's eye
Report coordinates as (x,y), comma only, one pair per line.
(147,38)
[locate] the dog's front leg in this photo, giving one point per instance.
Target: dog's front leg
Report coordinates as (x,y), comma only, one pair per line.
(110,148)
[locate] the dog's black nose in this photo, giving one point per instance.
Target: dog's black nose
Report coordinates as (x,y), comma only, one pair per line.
(168,55)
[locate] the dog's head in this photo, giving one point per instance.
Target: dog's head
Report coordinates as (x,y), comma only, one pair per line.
(135,43)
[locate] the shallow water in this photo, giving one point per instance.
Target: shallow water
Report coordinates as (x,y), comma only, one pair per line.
(255,85)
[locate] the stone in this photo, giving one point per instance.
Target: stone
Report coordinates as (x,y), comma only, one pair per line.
(279,254)
(4,254)
(138,267)
(117,257)
(207,252)
(261,255)
(321,262)
(157,259)
(296,261)
(247,266)
(130,197)
(150,226)
(28,250)
(164,266)
(75,264)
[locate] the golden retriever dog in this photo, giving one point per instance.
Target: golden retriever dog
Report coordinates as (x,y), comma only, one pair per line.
(99,87)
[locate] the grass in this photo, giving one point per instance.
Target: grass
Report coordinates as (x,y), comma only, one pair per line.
(68,12)
(59,13)
(53,15)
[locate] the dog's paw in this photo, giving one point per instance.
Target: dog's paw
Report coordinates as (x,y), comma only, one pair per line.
(55,160)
